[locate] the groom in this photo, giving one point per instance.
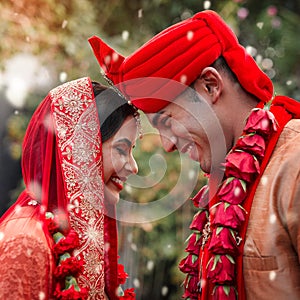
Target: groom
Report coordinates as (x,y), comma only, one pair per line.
(208,98)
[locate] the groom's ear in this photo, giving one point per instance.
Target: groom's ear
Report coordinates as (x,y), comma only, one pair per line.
(108,59)
(211,83)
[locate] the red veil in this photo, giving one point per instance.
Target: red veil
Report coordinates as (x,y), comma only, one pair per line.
(62,171)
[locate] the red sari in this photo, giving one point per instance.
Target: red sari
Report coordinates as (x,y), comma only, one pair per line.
(62,171)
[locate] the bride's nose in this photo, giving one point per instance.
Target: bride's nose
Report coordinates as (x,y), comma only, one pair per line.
(131,165)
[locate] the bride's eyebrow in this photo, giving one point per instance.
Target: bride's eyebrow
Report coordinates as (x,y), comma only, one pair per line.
(126,141)
(156,117)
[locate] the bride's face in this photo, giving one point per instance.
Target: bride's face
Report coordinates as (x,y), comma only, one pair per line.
(118,161)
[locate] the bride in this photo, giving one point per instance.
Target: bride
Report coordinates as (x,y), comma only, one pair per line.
(59,240)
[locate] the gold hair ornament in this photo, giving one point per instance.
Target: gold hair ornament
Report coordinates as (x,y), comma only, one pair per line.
(136,115)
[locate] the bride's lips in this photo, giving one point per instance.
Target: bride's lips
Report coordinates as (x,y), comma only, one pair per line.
(118,182)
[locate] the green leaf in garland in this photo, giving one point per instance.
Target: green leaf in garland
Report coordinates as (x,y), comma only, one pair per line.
(49,215)
(57,237)
(242,208)
(216,260)
(230,258)
(188,277)
(64,256)
(219,229)
(226,205)
(194,258)
(267,105)
(244,185)
(188,238)
(198,236)
(232,233)
(229,179)
(71,281)
(226,289)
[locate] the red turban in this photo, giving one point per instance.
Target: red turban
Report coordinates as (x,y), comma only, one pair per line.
(173,59)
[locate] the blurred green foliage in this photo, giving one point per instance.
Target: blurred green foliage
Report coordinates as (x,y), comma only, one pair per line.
(56,32)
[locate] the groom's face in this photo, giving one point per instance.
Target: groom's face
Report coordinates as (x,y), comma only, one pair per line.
(180,128)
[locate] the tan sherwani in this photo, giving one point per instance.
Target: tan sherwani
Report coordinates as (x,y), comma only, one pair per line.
(272,247)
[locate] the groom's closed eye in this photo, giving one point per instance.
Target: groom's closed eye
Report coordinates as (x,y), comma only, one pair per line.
(156,117)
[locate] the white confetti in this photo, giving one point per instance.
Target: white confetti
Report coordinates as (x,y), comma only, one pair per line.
(64,24)
(140,13)
(190,35)
(260,25)
(264,180)
(272,275)
(115,56)
(164,290)
(273,218)
(183,79)
(206,4)
(125,35)
(63,76)
(251,50)
(150,265)
(237,191)
(107,59)
(42,296)
(136,283)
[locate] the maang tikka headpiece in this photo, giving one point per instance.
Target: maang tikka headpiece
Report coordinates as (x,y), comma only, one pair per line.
(136,115)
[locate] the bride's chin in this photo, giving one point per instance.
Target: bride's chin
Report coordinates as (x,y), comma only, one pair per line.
(111,198)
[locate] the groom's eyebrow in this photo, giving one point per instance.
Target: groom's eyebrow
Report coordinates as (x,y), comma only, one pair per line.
(156,117)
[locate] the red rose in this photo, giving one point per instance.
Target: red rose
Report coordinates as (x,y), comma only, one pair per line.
(199,220)
(57,222)
(223,242)
(66,244)
(221,269)
(224,292)
(129,294)
(122,275)
(229,215)
(261,121)
(72,238)
(194,244)
(201,199)
(189,265)
(191,284)
(252,143)
(233,191)
(71,265)
(190,296)
(51,225)
(70,293)
(241,165)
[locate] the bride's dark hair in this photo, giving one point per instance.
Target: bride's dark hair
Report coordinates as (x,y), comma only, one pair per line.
(112,110)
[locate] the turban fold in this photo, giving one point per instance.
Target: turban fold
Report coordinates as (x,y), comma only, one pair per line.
(173,59)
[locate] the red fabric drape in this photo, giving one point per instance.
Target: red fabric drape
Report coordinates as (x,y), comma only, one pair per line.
(40,166)
(65,176)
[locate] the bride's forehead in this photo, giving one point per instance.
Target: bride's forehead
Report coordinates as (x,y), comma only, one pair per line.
(129,128)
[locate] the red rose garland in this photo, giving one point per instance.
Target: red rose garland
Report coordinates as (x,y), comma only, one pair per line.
(68,266)
(242,166)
